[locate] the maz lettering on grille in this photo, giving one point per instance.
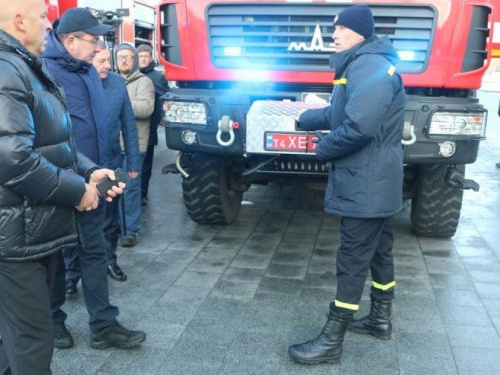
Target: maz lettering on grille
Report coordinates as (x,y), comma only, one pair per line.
(317,43)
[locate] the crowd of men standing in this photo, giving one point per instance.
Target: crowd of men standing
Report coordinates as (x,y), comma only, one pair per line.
(57,134)
(66,115)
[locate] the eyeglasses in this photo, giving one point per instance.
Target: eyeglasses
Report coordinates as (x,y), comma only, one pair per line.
(92,42)
(124,58)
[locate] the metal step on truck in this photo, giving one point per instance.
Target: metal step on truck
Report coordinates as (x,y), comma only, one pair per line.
(241,68)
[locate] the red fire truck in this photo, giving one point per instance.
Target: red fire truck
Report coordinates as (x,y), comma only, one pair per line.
(134,21)
(241,66)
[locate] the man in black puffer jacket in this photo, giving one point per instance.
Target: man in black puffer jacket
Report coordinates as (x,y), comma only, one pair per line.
(42,180)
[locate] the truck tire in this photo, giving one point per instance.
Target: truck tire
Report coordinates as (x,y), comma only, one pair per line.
(207,192)
(435,210)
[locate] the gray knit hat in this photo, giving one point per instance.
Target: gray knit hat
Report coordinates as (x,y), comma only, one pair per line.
(123,46)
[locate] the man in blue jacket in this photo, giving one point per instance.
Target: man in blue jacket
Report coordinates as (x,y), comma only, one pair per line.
(71,48)
(120,120)
(365,119)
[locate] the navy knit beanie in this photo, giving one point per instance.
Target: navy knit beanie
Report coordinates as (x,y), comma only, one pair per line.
(358,18)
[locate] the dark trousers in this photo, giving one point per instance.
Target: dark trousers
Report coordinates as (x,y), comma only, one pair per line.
(147,168)
(111,229)
(91,265)
(26,330)
(366,244)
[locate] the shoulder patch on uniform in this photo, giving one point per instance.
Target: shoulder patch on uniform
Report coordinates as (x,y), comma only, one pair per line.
(391,70)
(340,81)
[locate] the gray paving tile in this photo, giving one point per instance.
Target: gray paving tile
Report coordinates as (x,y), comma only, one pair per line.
(280,286)
(484,264)
(457,298)
(239,291)
(492,307)
(447,281)
(474,252)
(251,261)
(318,266)
(474,361)
(160,333)
(418,308)
(465,315)
(288,272)
(485,277)
(317,296)
(258,344)
(289,367)
(488,290)
(325,280)
(473,337)
(219,331)
(192,366)
(294,259)
(142,360)
(188,348)
(176,256)
(423,344)
(198,279)
(193,296)
(255,365)
(295,247)
(218,253)
(208,265)
(243,275)
(445,266)
(411,364)
(74,362)
(228,241)
(379,356)
(173,312)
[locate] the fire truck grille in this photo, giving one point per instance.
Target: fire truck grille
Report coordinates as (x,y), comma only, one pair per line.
(286,36)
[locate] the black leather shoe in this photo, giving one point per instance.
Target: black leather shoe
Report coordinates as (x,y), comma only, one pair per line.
(116,273)
(130,241)
(118,336)
(71,287)
(62,337)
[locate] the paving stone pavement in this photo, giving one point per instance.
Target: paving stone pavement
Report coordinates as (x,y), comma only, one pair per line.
(230,300)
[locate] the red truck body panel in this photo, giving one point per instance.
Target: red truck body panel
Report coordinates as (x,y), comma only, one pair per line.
(443,69)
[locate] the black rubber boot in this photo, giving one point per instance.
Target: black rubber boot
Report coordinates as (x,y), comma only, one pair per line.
(377,323)
(327,347)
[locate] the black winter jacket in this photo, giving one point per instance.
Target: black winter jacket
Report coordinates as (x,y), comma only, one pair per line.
(38,184)
(366,119)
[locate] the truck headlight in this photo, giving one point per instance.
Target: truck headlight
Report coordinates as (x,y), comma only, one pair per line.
(458,124)
(185,112)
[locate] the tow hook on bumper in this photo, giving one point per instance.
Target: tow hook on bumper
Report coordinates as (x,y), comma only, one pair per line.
(175,167)
(455,179)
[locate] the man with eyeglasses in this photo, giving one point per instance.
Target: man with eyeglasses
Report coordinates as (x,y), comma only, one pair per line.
(70,50)
(142,95)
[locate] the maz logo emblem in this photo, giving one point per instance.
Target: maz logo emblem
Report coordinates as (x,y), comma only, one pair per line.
(317,44)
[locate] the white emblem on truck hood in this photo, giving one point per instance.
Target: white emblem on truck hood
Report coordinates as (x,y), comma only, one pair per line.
(317,43)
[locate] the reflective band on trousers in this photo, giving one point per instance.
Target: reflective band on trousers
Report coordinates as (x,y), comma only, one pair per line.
(384,287)
(348,306)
